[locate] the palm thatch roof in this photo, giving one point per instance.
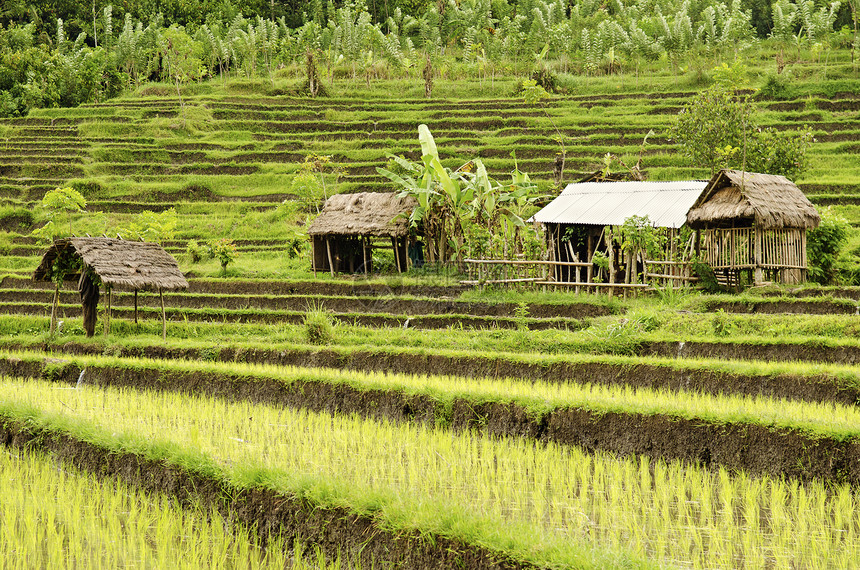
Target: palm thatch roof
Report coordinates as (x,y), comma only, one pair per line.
(364,213)
(768,200)
(119,263)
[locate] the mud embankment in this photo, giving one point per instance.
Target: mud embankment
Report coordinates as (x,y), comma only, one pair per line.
(758,449)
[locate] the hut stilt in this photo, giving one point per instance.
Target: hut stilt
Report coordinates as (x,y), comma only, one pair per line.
(54,306)
(163,316)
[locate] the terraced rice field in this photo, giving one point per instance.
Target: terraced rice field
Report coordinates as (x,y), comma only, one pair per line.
(435,426)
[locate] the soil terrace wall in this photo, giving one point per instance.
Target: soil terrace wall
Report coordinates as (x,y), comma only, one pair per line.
(757,449)
(821,388)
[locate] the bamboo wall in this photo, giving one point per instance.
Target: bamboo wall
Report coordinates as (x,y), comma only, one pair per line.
(777,255)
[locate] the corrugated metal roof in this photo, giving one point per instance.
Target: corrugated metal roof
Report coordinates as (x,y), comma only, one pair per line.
(610,203)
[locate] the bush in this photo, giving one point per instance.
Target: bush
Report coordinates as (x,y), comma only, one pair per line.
(224,250)
(823,246)
(194,251)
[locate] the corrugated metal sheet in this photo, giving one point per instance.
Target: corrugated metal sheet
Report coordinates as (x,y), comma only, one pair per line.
(610,203)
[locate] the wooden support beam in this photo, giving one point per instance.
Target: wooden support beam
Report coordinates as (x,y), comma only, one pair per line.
(396,254)
(107,311)
(330,260)
(163,316)
(54,307)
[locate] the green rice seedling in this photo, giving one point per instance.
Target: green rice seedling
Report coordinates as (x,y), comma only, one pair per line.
(54,516)
(508,493)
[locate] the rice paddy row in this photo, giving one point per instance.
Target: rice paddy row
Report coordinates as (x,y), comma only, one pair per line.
(531,505)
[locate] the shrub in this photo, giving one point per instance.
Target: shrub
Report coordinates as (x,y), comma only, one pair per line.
(224,250)
(824,244)
(194,251)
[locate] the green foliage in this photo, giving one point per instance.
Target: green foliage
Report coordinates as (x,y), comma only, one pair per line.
(721,324)
(195,251)
(224,250)
(717,129)
(779,152)
(638,234)
(149,226)
(464,212)
(58,205)
(824,245)
(713,128)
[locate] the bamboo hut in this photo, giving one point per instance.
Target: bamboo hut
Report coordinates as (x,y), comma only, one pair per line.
(113,263)
(579,225)
(751,228)
(351,226)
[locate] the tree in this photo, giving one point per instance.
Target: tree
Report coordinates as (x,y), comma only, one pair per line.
(224,250)
(717,129)
(713,129)
(180,53)
(463,211)
(59,205)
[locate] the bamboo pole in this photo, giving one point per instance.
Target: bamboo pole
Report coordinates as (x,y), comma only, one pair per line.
(107,311)
(163,315)
(54,306)
(364,253)
(135,306)
(396,254)
(330,261)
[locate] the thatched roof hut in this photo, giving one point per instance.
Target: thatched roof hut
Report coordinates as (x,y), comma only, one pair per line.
(118,263)
(766,200)
(752,228)
(383,214)
(124,264)
(350,226)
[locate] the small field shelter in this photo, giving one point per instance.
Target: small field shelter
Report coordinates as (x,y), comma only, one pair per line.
(351,226)
(579,221)
(114,263)
(751,228)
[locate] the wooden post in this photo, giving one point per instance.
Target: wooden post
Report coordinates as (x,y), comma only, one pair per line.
(364,253)
(396,254)
(107,311)
(758,277)
(330,260)
(611,262)
(163,316)
(589,272)
(54,303)
(135,306)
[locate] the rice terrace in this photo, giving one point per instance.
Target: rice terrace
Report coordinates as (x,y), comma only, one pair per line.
(430,284)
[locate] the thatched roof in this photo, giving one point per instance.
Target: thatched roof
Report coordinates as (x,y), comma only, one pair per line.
(769,200)
(364,213)
(119,263)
